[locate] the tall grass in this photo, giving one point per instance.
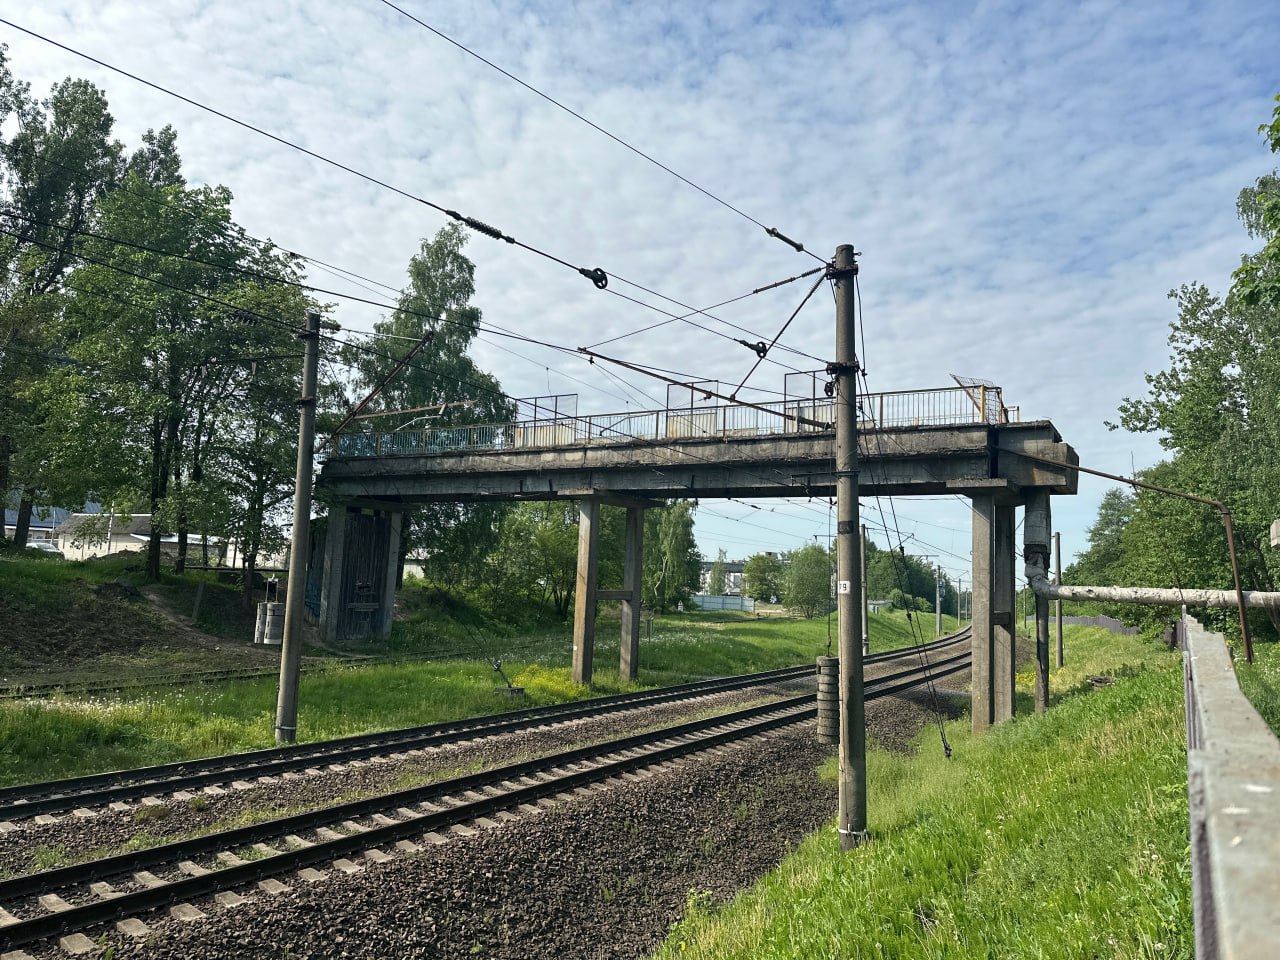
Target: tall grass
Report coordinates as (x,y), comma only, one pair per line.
(1062,835)
(68,737)
(1260,682)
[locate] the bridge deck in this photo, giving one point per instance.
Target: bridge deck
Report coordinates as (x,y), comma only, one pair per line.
(969,458)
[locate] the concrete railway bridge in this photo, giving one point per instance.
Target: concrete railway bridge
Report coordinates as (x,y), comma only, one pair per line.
(928,442)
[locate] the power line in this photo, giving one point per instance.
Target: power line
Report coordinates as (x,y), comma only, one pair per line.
(771,231)
(596,275)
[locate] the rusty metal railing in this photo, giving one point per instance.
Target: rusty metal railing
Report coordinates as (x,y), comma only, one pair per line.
(1233,792)
(936,407)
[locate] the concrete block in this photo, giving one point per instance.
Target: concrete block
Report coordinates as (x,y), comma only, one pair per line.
(230,859)
(266,851)
(103,891)
(310,875)
(435,838)
(185,912)
(7,826)
(77,944)
(193,869)
(7,918)
(54,903)
(376,856)
(84,813)
(133,927)
(347,866)
(324,833)
(297,843)
(462,830)
(119,807)
(148,879)
(45,820)
(354,827)
(383,820)
(407,846)
(229,898)
(272,886)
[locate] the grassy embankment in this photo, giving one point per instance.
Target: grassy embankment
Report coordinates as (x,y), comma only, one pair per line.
(1063,835)
(1260,681)
(68,736)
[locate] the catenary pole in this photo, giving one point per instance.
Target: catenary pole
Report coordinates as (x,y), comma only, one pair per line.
(937,600)
(291,647)
(1057,578)
(852,816)
(866,620)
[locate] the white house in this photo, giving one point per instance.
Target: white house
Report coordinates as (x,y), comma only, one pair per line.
(85,535)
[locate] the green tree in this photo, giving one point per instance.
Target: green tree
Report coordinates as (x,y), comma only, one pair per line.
(538,552)
(1214,409)
(59,161)
(717,578)
(807,584)
(1257,279)
(672,564)
(762,576)
(154,373)
(436,305)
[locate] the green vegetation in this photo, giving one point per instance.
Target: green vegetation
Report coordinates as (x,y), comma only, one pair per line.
(66,737)
(1213,407)
(1260,682)
(1071,842)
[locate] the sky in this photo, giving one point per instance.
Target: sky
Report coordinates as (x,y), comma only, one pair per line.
(1025,182)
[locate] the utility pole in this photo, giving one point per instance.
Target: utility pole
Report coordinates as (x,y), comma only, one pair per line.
(851,822)
(959,601)
(937,600)
(866,619)
(291,647)
(1057,578)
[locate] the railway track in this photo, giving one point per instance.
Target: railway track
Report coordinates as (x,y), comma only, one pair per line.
(219,870)
(98,790)
(46,689)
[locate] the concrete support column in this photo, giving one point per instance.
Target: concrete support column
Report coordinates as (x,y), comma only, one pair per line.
(584,607)
(633,563)
(1037,534)
(388,600)
(331,583)
(993,593)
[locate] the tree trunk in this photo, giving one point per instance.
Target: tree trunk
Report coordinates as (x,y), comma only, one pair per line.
(6,452)
(159,486)
(23,527)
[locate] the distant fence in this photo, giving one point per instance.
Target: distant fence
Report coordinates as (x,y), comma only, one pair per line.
(1233,792)
(1106,623)
(711,601)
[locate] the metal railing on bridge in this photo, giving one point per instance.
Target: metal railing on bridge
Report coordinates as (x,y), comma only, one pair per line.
(904,408)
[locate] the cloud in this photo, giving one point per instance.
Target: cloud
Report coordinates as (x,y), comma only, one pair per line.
(1026,181)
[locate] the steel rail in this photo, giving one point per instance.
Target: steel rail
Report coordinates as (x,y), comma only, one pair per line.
(692,737)
(28,800)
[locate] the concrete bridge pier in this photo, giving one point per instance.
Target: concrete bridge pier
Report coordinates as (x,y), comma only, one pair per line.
(587,593)
(1037,537)
(358,582)
(993,596)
